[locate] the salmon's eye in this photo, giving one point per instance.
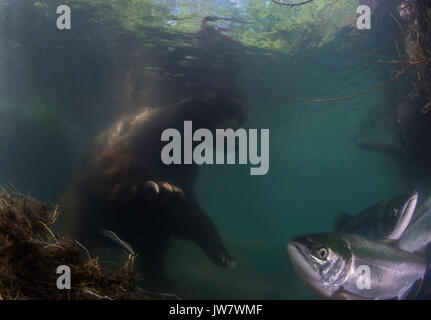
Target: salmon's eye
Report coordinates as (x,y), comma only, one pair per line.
(322,253)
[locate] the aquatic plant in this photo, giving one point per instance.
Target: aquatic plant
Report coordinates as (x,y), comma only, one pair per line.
(30,253)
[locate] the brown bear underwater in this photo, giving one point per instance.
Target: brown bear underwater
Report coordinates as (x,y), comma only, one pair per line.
(122,185)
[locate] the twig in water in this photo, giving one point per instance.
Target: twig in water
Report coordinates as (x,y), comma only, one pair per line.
(282,3)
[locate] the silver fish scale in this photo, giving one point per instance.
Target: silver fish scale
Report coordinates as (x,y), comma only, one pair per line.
(391,275)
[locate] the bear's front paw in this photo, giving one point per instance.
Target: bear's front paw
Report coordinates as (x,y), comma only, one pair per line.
(162,190)
(227,262)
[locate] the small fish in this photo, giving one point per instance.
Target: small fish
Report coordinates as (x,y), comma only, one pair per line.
(384,220)
(332,265)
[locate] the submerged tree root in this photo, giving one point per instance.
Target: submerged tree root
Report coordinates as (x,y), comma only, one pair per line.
(30,254)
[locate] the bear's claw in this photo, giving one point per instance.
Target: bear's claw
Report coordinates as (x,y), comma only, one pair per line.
(151,189)
(228,263)
(163,187)
(178,191)
(152,185)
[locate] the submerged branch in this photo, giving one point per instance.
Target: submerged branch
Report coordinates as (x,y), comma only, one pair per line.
(282,3)
(420,57)
(384,84)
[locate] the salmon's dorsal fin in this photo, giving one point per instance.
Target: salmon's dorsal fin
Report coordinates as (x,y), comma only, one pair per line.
(341,218)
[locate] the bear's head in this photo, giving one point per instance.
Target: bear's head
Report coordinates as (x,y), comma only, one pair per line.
(212,111)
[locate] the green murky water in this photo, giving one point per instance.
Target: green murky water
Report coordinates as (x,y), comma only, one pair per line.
(54,85)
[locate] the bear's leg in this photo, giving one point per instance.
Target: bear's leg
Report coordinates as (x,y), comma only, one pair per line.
(151,254)
(193,224)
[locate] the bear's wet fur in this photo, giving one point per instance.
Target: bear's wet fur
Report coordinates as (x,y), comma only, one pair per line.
(122,185)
